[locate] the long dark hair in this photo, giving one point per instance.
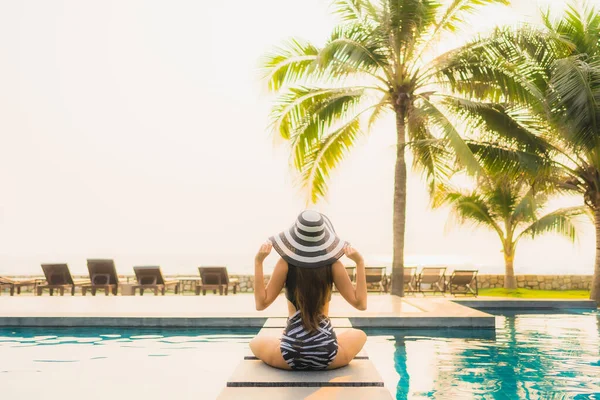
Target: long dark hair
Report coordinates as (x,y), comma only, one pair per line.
(313,290)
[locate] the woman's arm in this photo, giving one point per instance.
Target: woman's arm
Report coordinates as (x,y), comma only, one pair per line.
(356,296)
(264,296)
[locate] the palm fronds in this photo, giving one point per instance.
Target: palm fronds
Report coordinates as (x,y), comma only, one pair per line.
(575,100)
(324,155)
(438,119)
(519,129)
(302,108)
(294,61)
(430,154)
(377,42)
(352,49)
(362,11)
(468,207)
(457,10)
(560,221)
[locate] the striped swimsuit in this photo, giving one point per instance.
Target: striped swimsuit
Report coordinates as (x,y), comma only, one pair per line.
(304,350)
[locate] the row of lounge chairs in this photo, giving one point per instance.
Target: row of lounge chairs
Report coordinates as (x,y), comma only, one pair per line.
(375,276)
(429,279)
(16,286)
(435,280)
(103,276)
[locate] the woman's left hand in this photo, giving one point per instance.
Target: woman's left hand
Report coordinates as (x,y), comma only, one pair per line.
(353,254)
(264,251)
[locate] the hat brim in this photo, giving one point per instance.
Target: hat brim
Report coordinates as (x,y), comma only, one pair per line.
(304,254)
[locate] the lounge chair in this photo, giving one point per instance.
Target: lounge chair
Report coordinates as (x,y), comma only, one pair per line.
(58,277)
(215,278)
(434,277)
(152,278)
(103,275)
(466,279)
(351,274)
(377,275)
(12,284)
(410,279)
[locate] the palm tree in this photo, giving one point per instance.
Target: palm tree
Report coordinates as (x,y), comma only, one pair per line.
(549,124)
(379,59)
(510,207)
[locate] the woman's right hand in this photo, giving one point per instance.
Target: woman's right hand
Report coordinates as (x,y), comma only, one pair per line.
(353,254)
(264,251)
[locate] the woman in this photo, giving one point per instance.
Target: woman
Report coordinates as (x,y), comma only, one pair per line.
(308,267)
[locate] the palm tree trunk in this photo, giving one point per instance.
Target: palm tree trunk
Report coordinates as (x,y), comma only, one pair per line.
(399,218)
(595,292)
(510,281)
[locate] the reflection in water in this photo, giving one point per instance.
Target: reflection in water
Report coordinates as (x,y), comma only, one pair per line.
(169,363)
(528,356)
(15,337)
(401,367)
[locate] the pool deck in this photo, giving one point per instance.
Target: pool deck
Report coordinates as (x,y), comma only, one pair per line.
(538,304)
(384,311)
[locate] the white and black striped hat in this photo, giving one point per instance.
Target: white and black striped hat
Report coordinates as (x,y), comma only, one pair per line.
(311,242)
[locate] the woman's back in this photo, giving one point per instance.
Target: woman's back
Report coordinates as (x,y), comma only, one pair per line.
(291,281)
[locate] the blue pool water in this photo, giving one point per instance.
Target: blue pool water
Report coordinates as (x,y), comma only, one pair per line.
(528,356)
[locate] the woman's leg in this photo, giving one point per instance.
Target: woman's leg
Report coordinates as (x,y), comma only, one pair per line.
(350,343)
(266,348)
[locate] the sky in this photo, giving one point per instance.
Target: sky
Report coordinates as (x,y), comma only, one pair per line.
(138,131)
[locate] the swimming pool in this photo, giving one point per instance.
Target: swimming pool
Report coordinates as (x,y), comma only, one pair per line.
(530,355)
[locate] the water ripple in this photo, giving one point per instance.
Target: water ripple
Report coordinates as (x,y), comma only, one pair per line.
(533,356)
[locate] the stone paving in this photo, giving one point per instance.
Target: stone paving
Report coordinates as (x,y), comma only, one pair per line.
(227,311)
(308,393)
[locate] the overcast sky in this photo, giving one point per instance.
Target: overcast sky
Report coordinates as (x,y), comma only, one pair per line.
(137,130)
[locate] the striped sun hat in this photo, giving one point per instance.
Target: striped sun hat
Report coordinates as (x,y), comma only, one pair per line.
(311,242)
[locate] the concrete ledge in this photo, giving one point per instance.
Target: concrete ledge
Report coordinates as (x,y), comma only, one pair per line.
(228,312)
(446,333)
(134,322)
(358,373)
(323,393)
(484,322)
(527,303)
(244,322)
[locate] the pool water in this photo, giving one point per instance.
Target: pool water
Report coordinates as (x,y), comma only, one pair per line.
(529,356)
(118,363)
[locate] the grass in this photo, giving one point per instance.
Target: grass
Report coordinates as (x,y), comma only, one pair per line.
(536,294)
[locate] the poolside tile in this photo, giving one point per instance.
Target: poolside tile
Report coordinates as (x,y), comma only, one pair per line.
(295,393)
(252,373)
(500,302)
(230,311)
